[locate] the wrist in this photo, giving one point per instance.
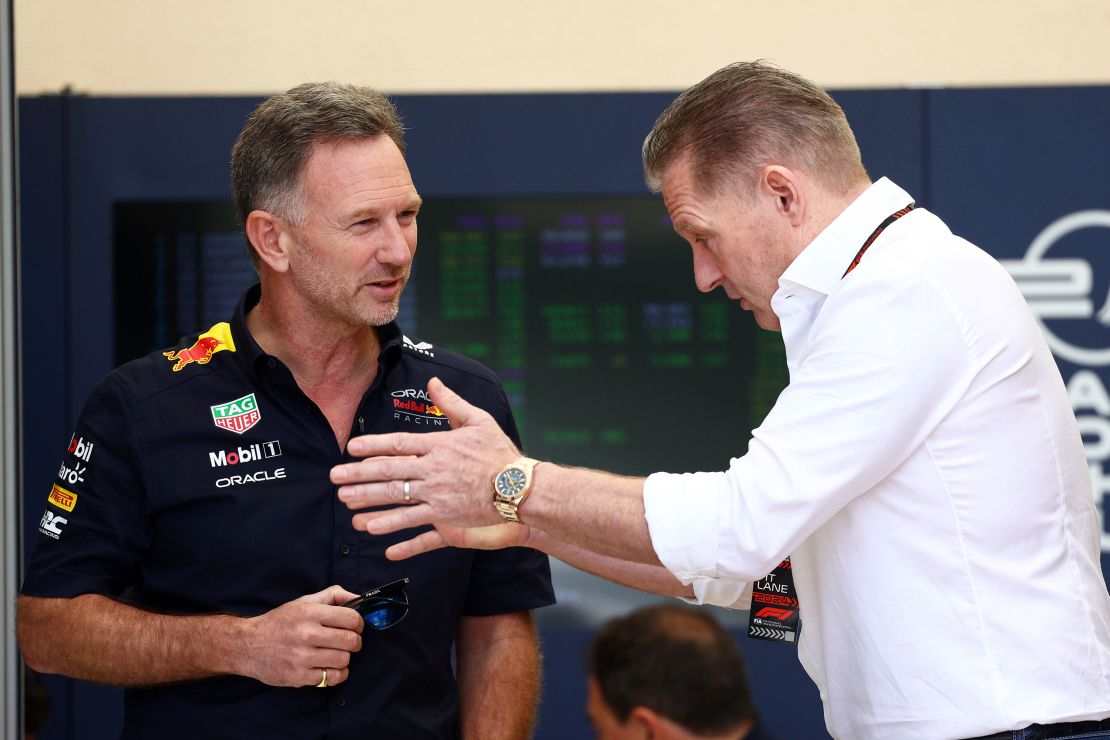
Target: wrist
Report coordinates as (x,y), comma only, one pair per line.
(532,508)
(230,645)
(511,487)
(536,538)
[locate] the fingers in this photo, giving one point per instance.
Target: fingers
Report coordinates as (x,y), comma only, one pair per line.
(361,495)
(377,469)
(458,412)
(336,675)
(393,520)
(327,596)
(416,546)
(342,618)
(398,444)
(337,595)
(293,642)
(339,639)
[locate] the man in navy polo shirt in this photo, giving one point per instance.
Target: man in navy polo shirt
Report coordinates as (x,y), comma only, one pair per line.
(192,548)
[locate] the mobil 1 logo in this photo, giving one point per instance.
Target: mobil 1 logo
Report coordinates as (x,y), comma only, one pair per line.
(250,453)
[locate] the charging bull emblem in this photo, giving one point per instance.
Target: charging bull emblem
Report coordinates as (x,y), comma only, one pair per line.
(200,353)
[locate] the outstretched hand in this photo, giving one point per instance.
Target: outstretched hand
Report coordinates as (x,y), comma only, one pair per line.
(490,537)
(449,476)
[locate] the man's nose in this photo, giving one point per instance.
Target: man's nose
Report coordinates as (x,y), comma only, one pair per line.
(394,247)
(706,274)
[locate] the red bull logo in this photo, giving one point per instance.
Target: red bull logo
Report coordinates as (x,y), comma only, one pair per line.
(216,339)
(411,405)
(200,353)
(418,407)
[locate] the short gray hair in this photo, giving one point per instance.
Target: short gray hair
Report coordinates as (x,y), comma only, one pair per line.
(748,115)
(278,138)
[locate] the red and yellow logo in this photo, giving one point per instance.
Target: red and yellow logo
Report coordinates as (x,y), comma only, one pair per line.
(62,498)
(216,339)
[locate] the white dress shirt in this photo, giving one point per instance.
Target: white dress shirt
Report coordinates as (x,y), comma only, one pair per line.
(925,472)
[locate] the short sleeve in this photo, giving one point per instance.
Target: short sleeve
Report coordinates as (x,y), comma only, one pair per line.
(511,580)
(93,531)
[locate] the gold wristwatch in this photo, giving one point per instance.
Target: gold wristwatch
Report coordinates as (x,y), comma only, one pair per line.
(511,485)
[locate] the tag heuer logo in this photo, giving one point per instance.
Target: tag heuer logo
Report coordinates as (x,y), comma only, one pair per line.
(237,416)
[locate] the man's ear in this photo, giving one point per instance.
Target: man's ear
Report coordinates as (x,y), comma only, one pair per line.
(646,724)
(784,186)
(269,238)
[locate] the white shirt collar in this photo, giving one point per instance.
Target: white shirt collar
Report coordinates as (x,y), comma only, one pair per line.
(822,263)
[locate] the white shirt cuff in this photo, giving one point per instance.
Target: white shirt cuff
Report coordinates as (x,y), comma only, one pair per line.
(684,516)
(681,512)
(719,592)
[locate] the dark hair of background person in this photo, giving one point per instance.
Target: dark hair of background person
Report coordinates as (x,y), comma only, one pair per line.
(746,116)
(279,136)
(679,663)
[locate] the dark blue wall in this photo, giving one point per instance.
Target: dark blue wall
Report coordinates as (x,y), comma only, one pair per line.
(998,165)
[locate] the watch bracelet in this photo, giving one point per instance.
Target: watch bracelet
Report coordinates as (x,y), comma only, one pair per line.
(508,511)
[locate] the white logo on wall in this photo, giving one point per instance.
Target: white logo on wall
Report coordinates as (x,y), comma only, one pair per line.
(1062,289)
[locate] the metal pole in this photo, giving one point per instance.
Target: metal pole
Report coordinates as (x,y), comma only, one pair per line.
(11,677)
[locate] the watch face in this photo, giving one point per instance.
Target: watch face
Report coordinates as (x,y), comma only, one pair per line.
(511,482)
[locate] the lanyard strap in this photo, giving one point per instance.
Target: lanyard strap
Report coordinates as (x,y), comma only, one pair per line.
(875,235)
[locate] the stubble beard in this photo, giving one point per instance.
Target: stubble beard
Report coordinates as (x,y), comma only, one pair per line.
(337,300)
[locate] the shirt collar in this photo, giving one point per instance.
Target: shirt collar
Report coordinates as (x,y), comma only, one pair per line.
(245,346)
(251,354)
(822,263)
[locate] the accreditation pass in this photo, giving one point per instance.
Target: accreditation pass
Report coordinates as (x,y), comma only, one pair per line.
(774,614)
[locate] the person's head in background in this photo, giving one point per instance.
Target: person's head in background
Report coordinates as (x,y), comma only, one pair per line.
(668,672)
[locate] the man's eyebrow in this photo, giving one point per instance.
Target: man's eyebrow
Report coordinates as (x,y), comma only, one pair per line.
(683,226)
(371,211)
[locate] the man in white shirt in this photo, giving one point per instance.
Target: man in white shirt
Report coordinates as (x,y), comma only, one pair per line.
(923,468)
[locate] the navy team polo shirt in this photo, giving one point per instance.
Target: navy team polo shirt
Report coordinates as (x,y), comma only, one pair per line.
(197,482)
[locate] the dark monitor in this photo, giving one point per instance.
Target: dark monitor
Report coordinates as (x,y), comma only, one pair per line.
(585,307)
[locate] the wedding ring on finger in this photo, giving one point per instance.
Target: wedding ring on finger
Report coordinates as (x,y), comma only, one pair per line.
(407,494)
(323,681)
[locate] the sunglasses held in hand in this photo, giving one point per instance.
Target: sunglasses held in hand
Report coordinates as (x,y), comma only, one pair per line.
(384,606)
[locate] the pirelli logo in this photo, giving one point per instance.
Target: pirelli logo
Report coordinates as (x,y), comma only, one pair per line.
(62,498)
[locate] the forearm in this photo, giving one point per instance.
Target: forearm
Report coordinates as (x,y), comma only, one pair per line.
(592,510)
(95,638)
(641,576)
(498,676)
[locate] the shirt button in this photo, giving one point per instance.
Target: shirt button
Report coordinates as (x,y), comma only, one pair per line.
(345,549)
(271,363)
(308,408)
(341,702)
